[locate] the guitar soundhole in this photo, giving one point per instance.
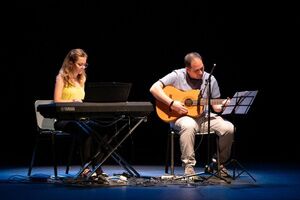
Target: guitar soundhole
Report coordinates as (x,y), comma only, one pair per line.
(188,102)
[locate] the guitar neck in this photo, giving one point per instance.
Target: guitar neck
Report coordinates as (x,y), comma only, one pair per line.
(212,101)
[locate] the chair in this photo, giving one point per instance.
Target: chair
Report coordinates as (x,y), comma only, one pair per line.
(45,130)
(170,147)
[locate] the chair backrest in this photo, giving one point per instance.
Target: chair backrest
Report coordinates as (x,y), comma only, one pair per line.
(43,123)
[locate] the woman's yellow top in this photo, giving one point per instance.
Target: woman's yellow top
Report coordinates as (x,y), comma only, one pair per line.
(71,92)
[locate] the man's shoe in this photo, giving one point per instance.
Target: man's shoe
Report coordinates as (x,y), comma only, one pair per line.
(213,168)
(189,170)
(224,171)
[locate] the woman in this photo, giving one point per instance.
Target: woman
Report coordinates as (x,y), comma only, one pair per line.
(69,87)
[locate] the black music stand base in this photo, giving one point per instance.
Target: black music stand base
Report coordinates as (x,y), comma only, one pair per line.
(238,169)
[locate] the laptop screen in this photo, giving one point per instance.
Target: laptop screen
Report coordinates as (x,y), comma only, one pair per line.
(107,91)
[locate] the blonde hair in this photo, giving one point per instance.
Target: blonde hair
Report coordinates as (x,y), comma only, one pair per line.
(68,67)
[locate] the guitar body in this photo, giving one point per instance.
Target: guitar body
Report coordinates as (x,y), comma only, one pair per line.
(188,98)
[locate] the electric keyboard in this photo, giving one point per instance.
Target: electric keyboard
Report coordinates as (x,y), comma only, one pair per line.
(73,110)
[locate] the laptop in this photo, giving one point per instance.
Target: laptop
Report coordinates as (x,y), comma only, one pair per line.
(107,91)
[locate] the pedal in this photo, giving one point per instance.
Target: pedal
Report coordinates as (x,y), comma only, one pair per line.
(167,177)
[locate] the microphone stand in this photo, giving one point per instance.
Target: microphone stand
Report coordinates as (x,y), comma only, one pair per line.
(208,83)
(207,167)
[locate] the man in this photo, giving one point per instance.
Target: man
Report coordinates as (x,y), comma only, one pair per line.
(193,77)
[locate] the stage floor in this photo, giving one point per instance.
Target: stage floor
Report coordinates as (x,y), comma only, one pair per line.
(273,181)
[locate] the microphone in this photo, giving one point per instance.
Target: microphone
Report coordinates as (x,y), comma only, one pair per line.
(208,79)
(212,70)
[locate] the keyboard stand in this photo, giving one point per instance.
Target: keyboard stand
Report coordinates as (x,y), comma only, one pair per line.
(109,148)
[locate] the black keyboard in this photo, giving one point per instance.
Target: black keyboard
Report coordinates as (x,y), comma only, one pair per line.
(75,110)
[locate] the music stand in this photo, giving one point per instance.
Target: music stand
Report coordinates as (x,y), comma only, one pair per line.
(240,104)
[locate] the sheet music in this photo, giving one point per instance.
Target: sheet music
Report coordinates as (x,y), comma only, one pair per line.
(240,102)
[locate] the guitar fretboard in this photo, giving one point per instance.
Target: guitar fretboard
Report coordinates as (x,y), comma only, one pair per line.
(212,101)
(204,102)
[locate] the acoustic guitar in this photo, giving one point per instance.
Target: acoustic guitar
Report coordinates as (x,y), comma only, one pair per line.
(190,98)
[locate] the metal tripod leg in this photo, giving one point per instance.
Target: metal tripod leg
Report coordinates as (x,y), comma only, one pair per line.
(237,165)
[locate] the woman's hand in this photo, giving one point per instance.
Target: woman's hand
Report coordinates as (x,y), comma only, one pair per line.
(77,100)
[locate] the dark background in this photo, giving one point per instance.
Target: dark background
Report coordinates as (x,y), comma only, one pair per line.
(141,41)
